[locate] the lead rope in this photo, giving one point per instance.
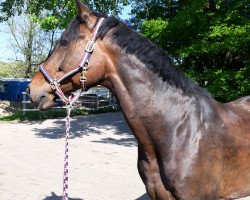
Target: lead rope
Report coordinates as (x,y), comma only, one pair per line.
(72,101)
(66,153)
(70,104)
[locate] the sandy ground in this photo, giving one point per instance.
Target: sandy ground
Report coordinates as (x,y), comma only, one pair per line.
(102,160)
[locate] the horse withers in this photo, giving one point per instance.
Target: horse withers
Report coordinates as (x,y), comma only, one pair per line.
(190,147)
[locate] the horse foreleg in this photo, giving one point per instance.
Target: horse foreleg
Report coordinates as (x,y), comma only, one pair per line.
(150,174)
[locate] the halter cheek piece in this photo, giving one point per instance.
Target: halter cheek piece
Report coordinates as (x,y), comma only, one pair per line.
(83,67)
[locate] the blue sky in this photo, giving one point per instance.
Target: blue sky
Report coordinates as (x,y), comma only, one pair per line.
(6,50)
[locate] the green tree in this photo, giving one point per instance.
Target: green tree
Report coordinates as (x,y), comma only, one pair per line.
(209,40)
(12,70)
(55,13)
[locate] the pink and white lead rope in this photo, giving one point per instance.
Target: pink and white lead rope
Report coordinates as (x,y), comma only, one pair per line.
(66,156)
(66,152)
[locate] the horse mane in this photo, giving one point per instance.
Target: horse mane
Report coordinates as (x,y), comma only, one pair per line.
(155,58)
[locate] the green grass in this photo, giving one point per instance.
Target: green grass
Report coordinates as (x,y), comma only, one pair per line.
(51,114)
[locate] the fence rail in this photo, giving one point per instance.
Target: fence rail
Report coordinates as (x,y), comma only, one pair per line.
(88,102)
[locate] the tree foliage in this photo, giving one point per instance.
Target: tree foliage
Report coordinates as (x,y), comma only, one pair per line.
(210,40)
(13,69)
(56,13)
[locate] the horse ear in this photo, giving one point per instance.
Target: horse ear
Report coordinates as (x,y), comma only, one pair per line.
(83,10)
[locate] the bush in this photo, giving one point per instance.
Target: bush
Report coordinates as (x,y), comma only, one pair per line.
(13,70)
(224,85)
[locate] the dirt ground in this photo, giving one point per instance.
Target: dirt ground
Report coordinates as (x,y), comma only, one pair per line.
(5,108)
(102,160)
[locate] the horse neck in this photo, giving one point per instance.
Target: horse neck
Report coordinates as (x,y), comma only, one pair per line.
(141,91)
(149,104)
(152,107)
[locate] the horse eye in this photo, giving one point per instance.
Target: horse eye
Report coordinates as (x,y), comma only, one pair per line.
(64,42)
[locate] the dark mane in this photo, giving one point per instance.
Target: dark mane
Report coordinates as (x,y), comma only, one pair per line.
(152,56)
(73,30)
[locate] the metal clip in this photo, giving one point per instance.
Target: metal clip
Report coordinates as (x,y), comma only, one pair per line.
(90,46)
(86,66)
(83,79)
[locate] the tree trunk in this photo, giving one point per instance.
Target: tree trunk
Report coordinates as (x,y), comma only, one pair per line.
(29,49)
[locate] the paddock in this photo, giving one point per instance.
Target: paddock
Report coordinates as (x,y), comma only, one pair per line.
(102,160)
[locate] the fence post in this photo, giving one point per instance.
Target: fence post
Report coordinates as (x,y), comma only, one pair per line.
(24,102)
(111,101)
(97,102)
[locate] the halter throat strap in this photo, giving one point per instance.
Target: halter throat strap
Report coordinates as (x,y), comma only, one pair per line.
(83,67)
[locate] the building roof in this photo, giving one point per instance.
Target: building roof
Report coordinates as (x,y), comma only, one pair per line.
(15,79)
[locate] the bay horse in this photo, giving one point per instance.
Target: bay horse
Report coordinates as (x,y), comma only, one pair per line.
(190,147)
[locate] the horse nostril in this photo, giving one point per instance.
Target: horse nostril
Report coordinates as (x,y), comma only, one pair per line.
(28,90)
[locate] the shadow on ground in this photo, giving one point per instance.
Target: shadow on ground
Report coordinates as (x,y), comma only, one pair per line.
(143,197)
(89,125)
(128,141)
(55,197)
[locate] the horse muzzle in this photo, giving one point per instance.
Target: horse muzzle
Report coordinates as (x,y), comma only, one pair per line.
(45,100)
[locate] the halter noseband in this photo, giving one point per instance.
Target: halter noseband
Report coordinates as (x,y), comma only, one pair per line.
(83,67)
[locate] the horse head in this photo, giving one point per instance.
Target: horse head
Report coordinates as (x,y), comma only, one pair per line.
(74,49)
